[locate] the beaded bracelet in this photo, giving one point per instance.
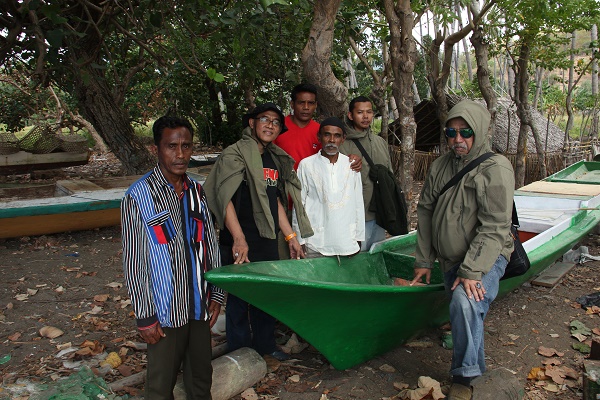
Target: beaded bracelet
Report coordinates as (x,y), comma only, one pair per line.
(290,236)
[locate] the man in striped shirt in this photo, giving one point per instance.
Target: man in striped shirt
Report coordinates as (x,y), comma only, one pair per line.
(169,243)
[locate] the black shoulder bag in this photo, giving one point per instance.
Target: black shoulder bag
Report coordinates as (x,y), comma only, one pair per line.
(388,202)
(519,262)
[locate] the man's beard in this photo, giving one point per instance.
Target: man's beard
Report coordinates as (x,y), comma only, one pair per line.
(331,149)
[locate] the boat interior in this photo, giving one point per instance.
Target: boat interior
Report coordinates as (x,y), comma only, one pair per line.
(65,187)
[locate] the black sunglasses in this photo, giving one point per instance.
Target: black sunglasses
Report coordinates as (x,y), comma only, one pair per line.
(464,132)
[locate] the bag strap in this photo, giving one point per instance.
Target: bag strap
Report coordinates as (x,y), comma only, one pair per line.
(470,166)
(363,151)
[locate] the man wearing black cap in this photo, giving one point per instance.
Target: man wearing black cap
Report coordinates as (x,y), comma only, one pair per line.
(245,190)
(332,196)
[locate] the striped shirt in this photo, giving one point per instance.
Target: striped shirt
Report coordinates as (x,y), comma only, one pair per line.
(169,242)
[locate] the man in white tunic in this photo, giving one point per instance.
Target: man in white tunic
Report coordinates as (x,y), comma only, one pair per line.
(332,197)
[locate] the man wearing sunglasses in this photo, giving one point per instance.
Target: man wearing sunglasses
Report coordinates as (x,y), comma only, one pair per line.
(467,229)
(246,190)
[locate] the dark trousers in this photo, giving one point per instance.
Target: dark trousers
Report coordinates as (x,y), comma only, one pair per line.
(189,344)
(247,326)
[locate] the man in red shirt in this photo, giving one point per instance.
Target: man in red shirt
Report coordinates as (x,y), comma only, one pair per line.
(301,141)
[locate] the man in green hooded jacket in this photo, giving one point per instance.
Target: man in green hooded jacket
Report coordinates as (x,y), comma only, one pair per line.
(246,190)
(467,229)
(358,128)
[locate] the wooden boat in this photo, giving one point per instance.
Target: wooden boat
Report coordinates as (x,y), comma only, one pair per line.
(23,162)
(67,205)
(350,310)
(203,159)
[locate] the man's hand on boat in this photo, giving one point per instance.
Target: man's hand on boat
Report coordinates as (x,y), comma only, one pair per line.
(420,273)
(296,250)
(473,288)
(240,250)
(151,334)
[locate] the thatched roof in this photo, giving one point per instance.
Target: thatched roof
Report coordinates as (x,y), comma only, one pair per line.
(507,125)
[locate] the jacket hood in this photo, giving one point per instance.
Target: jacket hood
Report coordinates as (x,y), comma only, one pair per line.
(352,133)
(478,118)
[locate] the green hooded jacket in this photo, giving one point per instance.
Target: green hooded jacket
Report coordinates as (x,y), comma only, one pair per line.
(242,160)
(377,149)
(470,223)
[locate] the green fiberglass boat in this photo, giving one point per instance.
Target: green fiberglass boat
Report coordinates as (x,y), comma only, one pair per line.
(351,311)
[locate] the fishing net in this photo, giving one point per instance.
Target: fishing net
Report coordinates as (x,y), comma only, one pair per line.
(40,139)
(9,144)
(83,385)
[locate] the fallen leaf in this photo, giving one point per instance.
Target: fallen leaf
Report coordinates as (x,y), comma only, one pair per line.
(579,336)
(551,361)
(554,335)
(125,370)
(115,285)
(579,327)
(125,303)
(596,331)
(401,386)
(582,348)
(96,310)
(101,298)
(537,374)
(59,289)
(22,297)
(32,292)
(294,378)
(249,394)
(63,346)
(14,337)
(387,368)
(593,310)
(9,306)
(549,352)
(50,332)
(555,374)
(551,387)
(513,337)
(570,372)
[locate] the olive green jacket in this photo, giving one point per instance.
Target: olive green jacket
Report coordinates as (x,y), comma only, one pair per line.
(376,148)
(470,223)
(242,161)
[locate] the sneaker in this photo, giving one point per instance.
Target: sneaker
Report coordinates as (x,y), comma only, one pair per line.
(460,392)
(280,355)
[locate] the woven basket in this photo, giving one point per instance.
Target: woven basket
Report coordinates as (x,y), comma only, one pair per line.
(9,144)
(41,139)
(73,143)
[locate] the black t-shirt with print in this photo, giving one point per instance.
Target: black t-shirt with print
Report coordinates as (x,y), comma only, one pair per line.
(261,249)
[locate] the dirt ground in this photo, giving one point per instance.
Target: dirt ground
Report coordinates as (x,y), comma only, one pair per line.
(74,282)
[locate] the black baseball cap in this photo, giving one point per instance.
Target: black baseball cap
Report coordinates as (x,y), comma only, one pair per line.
(261,108)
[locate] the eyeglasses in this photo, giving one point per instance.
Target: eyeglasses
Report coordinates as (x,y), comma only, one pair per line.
(266,120)
(464,132)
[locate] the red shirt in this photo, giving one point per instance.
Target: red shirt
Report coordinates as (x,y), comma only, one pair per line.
(299,142)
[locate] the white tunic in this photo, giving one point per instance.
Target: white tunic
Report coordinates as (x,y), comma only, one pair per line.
(332,197)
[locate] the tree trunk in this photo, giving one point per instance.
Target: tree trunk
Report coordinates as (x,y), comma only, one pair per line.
(594,37)
(112,123)
(483,77)
(316,59)
(539,74)
(403,52)
(524,112)
(569,99)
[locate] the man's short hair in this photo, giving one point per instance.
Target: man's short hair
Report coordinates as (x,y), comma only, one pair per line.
(304,87)
(359,99)
(170,122)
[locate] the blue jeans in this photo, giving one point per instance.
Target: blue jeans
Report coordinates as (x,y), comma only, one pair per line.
(373,233)
(466,317)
